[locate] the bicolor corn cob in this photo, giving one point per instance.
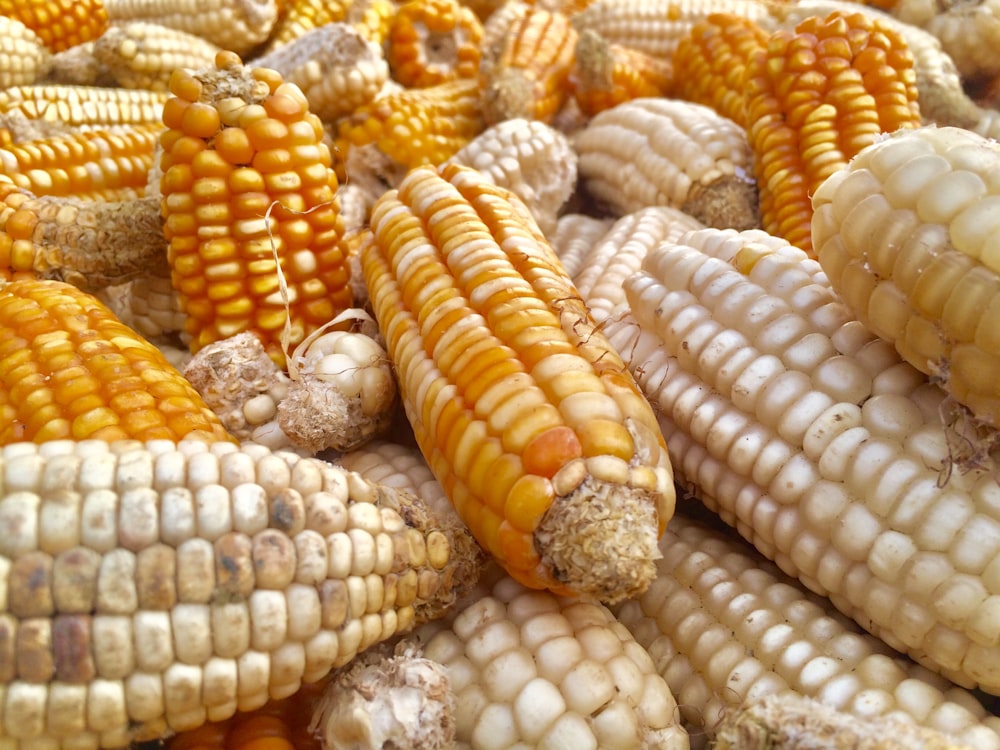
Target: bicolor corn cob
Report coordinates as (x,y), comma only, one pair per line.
(143,55)
(155,586)
(726,629)
(72,370)
(530,669)
(60,24)
(908,237)
(370,17)
(814,98)
(433,41)
(84,107)
(819,444)
(527,418)
(691,158)
(24,58)
(526,74)
(250,208)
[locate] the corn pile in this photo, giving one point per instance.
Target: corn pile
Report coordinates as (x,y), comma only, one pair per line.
(405,373)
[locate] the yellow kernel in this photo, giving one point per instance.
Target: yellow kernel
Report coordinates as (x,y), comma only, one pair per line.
(200,120)
(267,134)
(528,500)
(600,437)
(233,145)
(184,85)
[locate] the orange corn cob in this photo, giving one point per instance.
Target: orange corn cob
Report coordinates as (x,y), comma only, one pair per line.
(418,126)
(527,74)
(714,58)
(370,17)
(605,74)
(815,97)
(248,191)
(60,24)
(70,369)
(525,414)
(433,41)
(84,106)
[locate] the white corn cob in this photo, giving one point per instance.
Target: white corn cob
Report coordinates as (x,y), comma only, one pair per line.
(823,448)
(573,237)
(143,55)
(667,152)
(151,587)
(969,31)
(726,628)
(24,55)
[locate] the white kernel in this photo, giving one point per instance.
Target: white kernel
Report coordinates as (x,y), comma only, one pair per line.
(544,627)
(555,657)
(213,511)
(587,687)
(536,708)
(495,728)
(490,640)
(507,674)
(570,730)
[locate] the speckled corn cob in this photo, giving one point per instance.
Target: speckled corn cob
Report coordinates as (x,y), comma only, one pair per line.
(726,629)
(25,58)
(530,669)
(574,236)
(803,123)
(152,587)
(236,25)
(73,370)
(433,41)
(527,419)
(83,107)
(110,165)
(143,55)
(819,444)
(248,191)
(370,17)
(907,234)
(692,159)
(60,24)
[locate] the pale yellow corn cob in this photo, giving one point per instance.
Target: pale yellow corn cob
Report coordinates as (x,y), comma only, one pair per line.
(665,152)
(574,236)
(656,26)
(908,237)
(619,254)
(335,65)
(969,31)
(24,58)
(77,66)
(819,444)
(532,159)
(151,587)
(533,670)
(84,106)
(726,628)
(143,55)
(235,25)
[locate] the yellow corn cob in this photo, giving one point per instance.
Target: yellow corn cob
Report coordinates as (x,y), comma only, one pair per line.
(417,126)
(236,25)
(73,370)
(91,244)
(692,159)
(605,74)
(84,107)
(819,444)
(907,237)
(111,165)
(969,32)
(60,24)
(527,73)
(337,68)
(370,17)
(530,669)
(533,160)
(164,584)
(656,26)
(25,58)
(142,55)
(526,417)
(814,98)
(433,41)
(248,191)
(726,629)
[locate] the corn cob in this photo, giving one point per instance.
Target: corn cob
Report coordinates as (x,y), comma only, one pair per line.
(16,128)
(236,25)
(804,123)
(530,669)
(909,218)
(533,160)
(370,17)
(573,237)
(75,371)
(142,55)
(60,24)
(433,41)
(248,192)
(726,629)
(25,57)
(819,444)
(527,73)
(691,158)
(417,126)
(110,165)
(969,32)
(527,419)
(83,107)
(86,243)
(497,24)
(148,305)
(77,66)
(400,466)
(175,568)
